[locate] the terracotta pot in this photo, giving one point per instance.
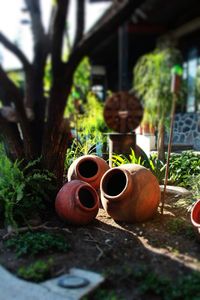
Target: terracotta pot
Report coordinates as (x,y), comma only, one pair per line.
(195,217)
(88,168)
(77,202)
(146,128)
(130,193)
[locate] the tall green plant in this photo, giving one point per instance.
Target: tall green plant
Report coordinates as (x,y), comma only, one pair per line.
(89,131)
(81,86)
(152,82)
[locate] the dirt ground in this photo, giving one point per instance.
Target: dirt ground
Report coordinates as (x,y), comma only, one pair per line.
(166,246)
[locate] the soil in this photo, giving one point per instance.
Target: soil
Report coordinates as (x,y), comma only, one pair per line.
(167,245)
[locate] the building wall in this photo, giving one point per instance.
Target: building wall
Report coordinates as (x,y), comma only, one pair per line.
(187,129)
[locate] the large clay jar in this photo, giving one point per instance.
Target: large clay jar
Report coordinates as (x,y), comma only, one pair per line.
(77,202)
(130,193)
(195,217)
(88,168)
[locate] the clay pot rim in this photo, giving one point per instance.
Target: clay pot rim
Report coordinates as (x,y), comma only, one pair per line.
(83,159)
(196,204)
(114,170)
(93,192)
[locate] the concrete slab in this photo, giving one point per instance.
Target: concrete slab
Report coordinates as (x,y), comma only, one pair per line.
(13,288)
(93,279)
(176,190)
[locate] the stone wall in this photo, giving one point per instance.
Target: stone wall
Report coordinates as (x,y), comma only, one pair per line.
(187,130)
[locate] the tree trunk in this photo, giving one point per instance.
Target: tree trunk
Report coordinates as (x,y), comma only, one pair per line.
(12,141)
(46,135)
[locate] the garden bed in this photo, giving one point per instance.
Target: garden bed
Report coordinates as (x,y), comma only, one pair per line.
(159,259)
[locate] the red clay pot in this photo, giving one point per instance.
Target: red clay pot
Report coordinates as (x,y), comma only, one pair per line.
(88,168)
(195,217)
(130,193)
(77,202)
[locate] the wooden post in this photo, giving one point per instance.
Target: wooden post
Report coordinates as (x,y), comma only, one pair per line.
(175,86)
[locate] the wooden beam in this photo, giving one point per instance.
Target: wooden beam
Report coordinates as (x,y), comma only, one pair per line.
(184,29)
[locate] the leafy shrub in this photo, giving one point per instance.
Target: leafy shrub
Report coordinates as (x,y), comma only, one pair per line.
(196,186)
(36,271)
(89,128)
(23,190)
(121,159)
(184,168)
(33,243)
(156,166)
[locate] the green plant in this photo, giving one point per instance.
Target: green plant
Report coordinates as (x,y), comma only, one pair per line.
(196,186)
(184,168)
(89,130)
(121,159)
(23,190)
(180,226)
(81,86)
(152,81)
(184,288)
(36,271)
(157,167)
(33,243)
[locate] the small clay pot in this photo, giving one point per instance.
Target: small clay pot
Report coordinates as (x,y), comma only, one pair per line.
(130,193)
(195,217)
(88,168)
(77,202)
(195,214)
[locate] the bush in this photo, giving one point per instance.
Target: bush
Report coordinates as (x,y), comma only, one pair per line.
(23,191)
(184,168)
(36,271)
(33,243)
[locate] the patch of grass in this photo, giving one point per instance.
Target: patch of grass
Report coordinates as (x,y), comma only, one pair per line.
(184,203)
(33,243)
(185,288)
(36,271)
(180,226)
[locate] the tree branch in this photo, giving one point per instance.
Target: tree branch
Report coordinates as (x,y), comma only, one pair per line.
(28,101)
(16,97)
(80,21)
(15,50)
(58,32)
(11,139)
(39,36)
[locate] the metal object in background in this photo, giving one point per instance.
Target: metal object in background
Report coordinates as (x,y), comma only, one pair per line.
(123,112)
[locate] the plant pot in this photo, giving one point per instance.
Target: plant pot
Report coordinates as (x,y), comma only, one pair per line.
(130,193)
(88,168)
(195,217)
(77,202)
(146,128)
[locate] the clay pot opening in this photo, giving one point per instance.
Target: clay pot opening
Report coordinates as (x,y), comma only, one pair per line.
(87,198)
(87,168)
(114,182)
(195,214)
